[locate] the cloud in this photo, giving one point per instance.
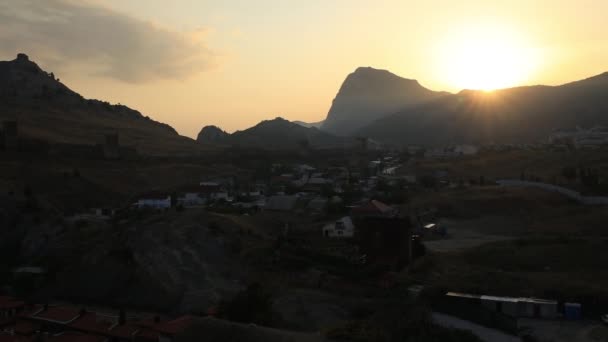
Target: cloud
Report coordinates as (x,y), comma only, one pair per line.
(70,35)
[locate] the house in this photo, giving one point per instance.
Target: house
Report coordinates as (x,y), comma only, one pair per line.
(316,184)
(373,208)
(281,203)
(342,228)
(155,200)
(10,307)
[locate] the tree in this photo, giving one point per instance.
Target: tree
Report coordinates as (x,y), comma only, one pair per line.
(253,305)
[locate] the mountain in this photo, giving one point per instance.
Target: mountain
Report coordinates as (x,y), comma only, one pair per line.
(514,115)
(317,124)
(279,134)
(46,109)
(212,134)
(369,94)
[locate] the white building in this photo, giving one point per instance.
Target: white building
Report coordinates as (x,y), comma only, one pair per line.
(155,201)
(342,228)
(466,150)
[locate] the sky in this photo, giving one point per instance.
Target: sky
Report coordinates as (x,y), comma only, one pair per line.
(233,63)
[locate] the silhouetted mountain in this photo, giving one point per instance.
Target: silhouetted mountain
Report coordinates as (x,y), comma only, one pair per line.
(317,124)
(369,94)
(515,115)
(282,134)
(46,109)
(212,134)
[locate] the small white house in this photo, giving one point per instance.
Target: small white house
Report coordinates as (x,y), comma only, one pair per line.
(342,228)
(155,201)
(191,199)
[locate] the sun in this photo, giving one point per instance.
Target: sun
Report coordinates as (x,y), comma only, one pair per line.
(485,58)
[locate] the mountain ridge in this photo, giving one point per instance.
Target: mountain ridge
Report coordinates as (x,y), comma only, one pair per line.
(523,114)
(47,109)
(278,134)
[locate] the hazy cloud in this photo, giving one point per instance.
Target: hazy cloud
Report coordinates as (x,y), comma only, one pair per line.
(67,35)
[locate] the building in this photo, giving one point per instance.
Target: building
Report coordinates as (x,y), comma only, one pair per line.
(154,200)
(342,228)
(10,307)
(510,306)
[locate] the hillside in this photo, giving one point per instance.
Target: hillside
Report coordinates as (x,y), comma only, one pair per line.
(277,134)
(515,115)
(48,110)
(369,94)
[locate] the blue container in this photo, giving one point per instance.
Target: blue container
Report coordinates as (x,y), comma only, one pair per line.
(572,311)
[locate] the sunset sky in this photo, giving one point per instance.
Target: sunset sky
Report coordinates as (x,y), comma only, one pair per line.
(233,63)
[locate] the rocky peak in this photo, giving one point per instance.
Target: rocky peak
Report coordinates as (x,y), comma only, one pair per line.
(211,134)
(369,94)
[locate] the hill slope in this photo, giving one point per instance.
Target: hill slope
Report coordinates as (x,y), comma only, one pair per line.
(515,115)
(369,94)
(46,109)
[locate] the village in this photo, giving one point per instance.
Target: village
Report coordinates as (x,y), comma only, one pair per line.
(345,223)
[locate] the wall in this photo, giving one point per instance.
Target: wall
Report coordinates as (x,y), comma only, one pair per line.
(575,195)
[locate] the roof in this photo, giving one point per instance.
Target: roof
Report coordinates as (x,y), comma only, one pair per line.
(317,203)
(281,203)
(175,326)
(7,303)
(373,207)
(58,314)
(13,338)
(71,336)
(23,327)
(127,330)
(502,299)
(212,329)
(90,322)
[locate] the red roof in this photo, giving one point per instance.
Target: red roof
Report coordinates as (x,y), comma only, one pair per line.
(124,331)
(373,207)
(70,336)
(175,326)
(23,327)
(13,338)
(146,334)
(90,322)
(93,323)
(59,314)
(7,303)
